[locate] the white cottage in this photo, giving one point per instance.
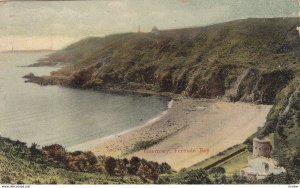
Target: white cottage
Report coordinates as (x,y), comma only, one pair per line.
(260,165)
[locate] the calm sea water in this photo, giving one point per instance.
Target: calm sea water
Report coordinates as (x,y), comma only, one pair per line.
(52,114)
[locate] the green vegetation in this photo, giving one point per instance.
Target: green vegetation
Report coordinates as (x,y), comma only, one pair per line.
(198,62)
(144,145)
(251,60)
(54,165)
(234,165)
(141,145)
(16,170)
(197,176)
(219,158)
(51,165)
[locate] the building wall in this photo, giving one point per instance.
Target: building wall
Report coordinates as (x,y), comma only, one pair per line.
(262,148)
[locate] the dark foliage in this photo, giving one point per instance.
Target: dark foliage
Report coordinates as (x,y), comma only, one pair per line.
(134,165)
(110,165)
(198,176)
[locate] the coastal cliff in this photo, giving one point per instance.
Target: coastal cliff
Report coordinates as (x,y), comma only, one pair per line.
(251,60)
(246,60)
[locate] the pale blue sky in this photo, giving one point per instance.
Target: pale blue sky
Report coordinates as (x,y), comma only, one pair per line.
(71,20)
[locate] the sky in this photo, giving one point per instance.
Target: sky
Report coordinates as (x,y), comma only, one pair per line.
(29,25)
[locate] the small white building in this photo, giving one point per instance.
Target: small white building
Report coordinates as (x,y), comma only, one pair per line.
(260,165)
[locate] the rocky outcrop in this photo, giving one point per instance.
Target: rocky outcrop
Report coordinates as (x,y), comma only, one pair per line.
(251,85)
(259,87)
(41,80)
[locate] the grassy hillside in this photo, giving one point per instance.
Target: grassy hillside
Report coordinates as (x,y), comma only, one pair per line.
(15,170)
(250,60)
(20,164)
(54,165)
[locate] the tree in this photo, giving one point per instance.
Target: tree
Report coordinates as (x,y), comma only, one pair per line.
(34,150)
(110,165)
(276,179)
(134,165)
(296,159)
(5,180)
(149,170)
(218,174)
(20,182)
(55,152)
(217,170)
(36,182)
(165,168)
(168,179)
(53,181)
(198,176)
(236,179)
(92,159)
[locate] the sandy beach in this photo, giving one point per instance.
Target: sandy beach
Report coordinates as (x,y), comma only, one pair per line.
(190,131)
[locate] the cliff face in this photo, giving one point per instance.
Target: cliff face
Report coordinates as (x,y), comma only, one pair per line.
(251,85)
(246,60)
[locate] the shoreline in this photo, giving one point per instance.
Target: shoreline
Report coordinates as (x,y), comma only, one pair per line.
(157,134)
(89,144)
(191,130)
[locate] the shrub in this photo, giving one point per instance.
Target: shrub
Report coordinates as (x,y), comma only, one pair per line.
(52,181)
(81,161)
(55,152)
(217,170)
(280,131)
(71,181)
(134,165)
(20,182)
(92,159)
(144,145)
(149,170)
(34,150)
(36,182)
(5,180)
(218,175)
(236,179)
(198,176)
(168,179)
(110,165)
(276,179)
(165,168)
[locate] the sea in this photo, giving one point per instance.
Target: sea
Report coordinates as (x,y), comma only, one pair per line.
(57,115)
